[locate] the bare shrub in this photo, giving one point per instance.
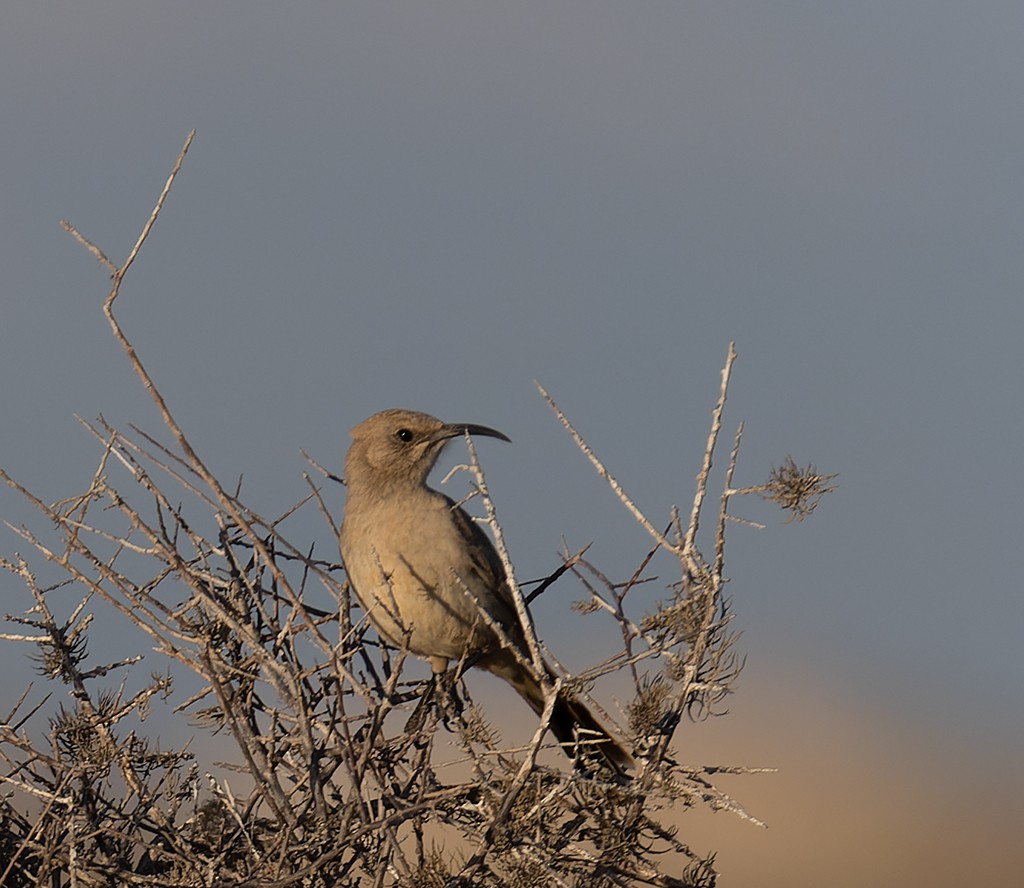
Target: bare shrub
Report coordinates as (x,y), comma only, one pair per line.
(339,777)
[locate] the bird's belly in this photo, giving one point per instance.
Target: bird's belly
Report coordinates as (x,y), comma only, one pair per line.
(431,615)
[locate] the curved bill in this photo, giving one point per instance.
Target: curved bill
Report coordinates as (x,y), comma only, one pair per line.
(454,429)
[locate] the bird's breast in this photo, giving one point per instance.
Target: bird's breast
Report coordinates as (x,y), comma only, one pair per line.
(415,577)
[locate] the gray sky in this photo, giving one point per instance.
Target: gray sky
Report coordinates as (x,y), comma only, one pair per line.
(432,205)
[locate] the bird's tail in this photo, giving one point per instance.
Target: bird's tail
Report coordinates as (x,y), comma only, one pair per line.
(577,731)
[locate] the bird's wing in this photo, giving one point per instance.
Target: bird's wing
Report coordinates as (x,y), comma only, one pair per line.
(488,569)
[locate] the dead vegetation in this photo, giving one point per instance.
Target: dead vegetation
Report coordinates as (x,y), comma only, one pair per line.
(336,777)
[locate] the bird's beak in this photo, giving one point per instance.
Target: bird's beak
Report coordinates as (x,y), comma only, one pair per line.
(454,429)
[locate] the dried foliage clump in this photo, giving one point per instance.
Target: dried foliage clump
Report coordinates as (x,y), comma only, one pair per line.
(338,772)
(797,490)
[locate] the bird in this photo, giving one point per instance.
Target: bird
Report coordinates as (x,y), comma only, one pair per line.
(423,570)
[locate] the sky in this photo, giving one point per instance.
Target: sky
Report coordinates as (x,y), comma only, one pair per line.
(435,205)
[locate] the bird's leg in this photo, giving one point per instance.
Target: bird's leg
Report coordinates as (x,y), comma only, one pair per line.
(439,692)
(443,691)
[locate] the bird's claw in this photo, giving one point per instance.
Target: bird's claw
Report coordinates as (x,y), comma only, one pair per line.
(440,696)
(449,703)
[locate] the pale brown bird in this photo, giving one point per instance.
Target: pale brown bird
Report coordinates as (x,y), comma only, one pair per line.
(423,570)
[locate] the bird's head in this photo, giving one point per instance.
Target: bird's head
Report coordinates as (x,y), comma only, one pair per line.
(400,447)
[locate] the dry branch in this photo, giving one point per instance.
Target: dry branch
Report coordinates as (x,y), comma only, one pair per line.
(332,781)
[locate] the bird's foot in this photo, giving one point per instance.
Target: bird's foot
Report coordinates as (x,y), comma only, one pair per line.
(449,703)
(440,698)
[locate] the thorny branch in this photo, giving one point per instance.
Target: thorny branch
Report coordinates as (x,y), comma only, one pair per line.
(332,781)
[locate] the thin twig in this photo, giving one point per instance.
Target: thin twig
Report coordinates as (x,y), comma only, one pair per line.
(604,473)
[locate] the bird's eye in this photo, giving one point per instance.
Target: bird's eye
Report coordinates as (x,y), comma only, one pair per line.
(404,435)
